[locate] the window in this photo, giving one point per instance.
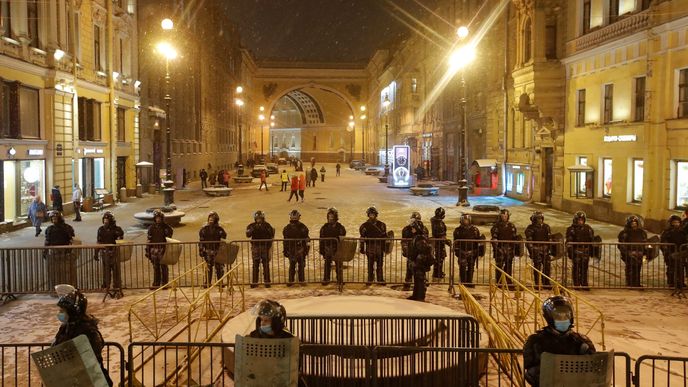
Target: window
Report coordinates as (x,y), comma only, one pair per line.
(520,182)
(96,48)
(5,103)
(613,10)
(121,124)
(414,85)
(586,16)
(28,112)
(32,21)
(527,44)
(645,4)
(683,94)
(551,42)
(608,107)
(639,100)
(682,185)
(581,186)
(606,178)
(509,181)
(89,119)
(315,142)
(5,19)
(580,112)
(637,188)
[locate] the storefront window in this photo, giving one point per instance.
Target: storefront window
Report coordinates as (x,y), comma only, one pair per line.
(606,178)
(520,180)
(637,180)
(22,181)
(509,181)
(582,187)
(99,173)
(682,185)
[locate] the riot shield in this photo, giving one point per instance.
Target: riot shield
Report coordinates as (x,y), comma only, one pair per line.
(652,248)
(389,243)
(597,247)
(557,250)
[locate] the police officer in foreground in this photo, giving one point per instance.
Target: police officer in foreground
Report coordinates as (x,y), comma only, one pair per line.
(297,248)
(539,231)
(61,263)
(108,234)
(580,254)
(414,228)
(328,248)
(373,249)
(504,230)
(421,260)
(158,232)
(439,234)
(466,249)
(211,232)
(632,254)
(271,318)
(557,338)
(676,236)
(262,235)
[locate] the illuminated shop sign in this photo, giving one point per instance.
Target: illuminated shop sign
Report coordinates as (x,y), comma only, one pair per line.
(401,166)
(621,138)
(35,152)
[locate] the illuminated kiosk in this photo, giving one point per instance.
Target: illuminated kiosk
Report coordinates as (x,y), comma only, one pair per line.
(353,326)
(400,173)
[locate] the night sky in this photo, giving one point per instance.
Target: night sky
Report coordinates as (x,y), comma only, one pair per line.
(320,30)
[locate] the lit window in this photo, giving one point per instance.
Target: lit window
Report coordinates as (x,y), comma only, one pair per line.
(520,180)
(414,85)
(608,107)
(637,181)
(606,178)
(509,181)
(682,185)
(580,114)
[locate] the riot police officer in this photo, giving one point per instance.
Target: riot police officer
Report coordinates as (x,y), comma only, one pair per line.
(374,249)
(158,232)
(466,249)
(328,248)
(211,232)
(262,235)
(504,253)
(61,263)
(539,231)
(296,246)
(632,254)
(108,234)
(580,254)
(414,228)
(439,234)
(676,236)
(421,260)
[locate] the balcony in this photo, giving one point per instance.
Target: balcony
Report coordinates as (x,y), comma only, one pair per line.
(626,25)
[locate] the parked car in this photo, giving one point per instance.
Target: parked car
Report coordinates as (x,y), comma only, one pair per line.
(357,164)
(374,170)
(282,161)
(258,168)
(272,167)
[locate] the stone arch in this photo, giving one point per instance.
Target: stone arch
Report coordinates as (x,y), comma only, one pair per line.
(277,96)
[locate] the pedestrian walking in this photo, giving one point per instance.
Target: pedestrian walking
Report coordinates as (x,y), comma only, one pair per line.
(56,198)
(184,178)
(263,181)
(314,175)
(225,178)
(211,233)
(294,188)
(262,234)
(322,174)
(76,201)
(204,178)
(37,213)
(338,168)
(296,246)
(373,248)
(302,186)
(61,262)
(221,177)
(158,232)
(108,234)
(284,179)
(408,233)
(328,248)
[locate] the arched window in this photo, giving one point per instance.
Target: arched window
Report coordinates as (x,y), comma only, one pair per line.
(527,45)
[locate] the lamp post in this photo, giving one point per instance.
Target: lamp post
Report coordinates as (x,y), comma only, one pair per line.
(272,143)
(166,50)
(385,105)
(261,118)
(239,103)
(458,61)
(352,136)
(363,122)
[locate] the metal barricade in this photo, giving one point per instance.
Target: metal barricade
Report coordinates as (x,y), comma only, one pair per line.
(665,371)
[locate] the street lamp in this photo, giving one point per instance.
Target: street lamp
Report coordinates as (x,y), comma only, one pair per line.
(239,103)
(363,139)
(272,143)
(350,129)
(385,105)
(458,62)
(169,53)
(261,118)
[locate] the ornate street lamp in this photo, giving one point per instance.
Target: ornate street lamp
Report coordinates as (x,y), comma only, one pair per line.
(363,127)
(169,53)
(239,103)
(261,118)
(352,133)
(385,105)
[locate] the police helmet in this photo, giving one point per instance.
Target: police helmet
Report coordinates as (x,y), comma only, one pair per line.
(557,308)
(465,217)
(71,300)
(294,215)
(634,218)
(55,214)
(272,309)
(439,212)
(579,215)
(214,217)
(372,210)
(158,214)
(504,211)
(108,215)
(673,218)
(334,212)
(415,215)
(259,214)
(537,215)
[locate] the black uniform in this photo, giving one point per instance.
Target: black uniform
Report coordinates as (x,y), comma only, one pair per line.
(261,234)
(580,254)
(550,340)
(675,267)
(88,327)
(56,197)
(374,249)
(504,252)
(296,250)
(421,261)
(408,233)
(540,252)
(467,252)
(61,263)
(211,232)
(632,255)
(107,235)
(328,248)
(439,234)
(157,233)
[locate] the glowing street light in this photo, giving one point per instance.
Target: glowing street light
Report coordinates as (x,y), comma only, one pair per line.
(239,103)
(261,118)
(385,105)
(167,24)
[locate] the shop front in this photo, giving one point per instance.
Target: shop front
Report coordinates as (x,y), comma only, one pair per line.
(517,181)
(22,181)
(484,176)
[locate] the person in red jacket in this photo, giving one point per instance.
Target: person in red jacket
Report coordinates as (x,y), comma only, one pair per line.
(294,188)
(263,181)
(302,186)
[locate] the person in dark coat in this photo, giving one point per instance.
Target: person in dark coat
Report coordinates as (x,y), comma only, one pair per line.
(676,236)
(297,248)
(414,228)
(108,234)
(204,178)
(75,321)
(466,249)
(421,260)
(158,232)
(56,198)
(439,234)
(211,232)
(271,318)
(557,338)
(632,254)
(262,235)
(328,248)
(539,231)
(580,254)
(322,174)
(338,168)
(374,248)
(61,262)
(314,176)
(504,253)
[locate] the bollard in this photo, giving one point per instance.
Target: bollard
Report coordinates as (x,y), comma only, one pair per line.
(123,195)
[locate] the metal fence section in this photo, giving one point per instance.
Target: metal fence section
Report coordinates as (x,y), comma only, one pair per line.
(18,369)
(666,371)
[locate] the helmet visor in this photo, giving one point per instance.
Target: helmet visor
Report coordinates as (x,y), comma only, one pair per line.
(562,312)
